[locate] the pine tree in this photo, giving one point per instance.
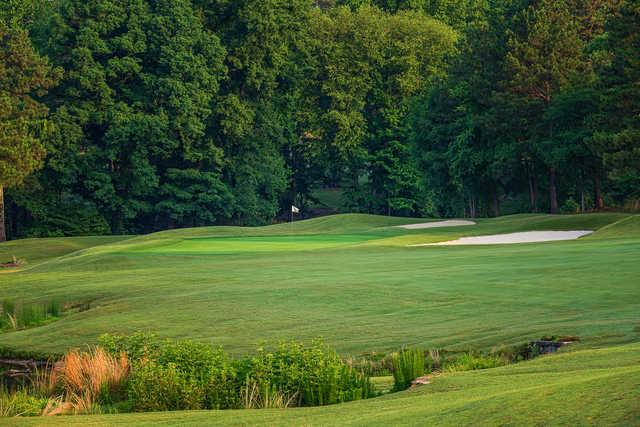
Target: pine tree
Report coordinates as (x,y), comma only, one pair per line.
(545,53)
(23,125)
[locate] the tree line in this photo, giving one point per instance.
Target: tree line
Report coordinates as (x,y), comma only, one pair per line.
(128,116)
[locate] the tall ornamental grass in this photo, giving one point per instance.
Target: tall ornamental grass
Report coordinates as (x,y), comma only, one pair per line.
(408,364)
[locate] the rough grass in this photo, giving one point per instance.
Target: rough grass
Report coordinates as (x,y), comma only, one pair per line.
(348,278)
(585,387)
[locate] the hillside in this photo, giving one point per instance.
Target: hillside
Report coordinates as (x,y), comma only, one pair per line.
(358,285)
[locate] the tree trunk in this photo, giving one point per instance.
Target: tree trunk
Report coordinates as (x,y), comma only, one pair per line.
(3,231)
(553,191)
(472,207)
(532,192)
(495,202)
(597,186)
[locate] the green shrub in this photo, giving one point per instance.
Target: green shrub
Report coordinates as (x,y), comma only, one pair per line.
(570,206)
(314,375)
(137,347)
(198,375)
(172,375)
(472,361)
(155,387)
(408,364)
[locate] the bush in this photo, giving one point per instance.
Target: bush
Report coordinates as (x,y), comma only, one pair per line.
(154,387)
(309,376)
(137,347)
(170,375)
(472,361)
(173,375)
(408,364)
(570,206)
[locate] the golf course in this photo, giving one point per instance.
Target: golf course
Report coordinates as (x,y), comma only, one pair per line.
(361,284)
(320,212)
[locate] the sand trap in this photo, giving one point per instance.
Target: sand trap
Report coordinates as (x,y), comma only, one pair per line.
(511,238)
(436,224)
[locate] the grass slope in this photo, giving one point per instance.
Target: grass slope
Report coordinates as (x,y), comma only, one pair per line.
(586,387)
(348,278)
(39,250)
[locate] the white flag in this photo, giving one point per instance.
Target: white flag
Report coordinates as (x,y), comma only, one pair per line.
(294,209)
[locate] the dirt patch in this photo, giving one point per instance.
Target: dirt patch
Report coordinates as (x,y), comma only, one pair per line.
(423,380)
(437,224)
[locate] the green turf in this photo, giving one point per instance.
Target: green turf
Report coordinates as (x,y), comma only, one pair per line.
(39,250)
(349,278)
(585,387)
(354,280)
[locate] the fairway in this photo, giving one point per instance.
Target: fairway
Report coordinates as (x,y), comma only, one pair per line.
(351,279)
(232,245)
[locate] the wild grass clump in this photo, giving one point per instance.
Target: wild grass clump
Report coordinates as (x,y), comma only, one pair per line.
(20,403)
(14,316)
(408,364)
(92,377)
(472,361)
(264,396)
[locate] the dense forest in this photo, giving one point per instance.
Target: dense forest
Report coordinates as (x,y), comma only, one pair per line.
(129,116)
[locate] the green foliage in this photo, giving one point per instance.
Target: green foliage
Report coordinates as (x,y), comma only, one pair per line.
(174,375)
(194,198)
(156,387)
(137,346)
(20,404)
(313,375)
(134,105)
(472,361)
(408,364)
(570,206)
(617,121)
(24,75)
(371,64)
(14,316)
(198,112)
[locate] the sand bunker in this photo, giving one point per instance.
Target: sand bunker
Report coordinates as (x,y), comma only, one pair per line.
(511,238)
(436,224)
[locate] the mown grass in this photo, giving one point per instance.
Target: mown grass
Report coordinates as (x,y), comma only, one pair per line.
(350,279)
(586,387)
(34,251)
